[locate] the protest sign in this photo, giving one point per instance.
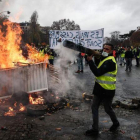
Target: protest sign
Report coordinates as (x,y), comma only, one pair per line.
(92,39)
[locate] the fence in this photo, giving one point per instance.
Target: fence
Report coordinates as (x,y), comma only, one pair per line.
(28,78)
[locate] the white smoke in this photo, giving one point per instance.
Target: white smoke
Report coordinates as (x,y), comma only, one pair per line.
(69,84)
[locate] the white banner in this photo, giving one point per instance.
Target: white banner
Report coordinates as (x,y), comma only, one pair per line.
(92,39)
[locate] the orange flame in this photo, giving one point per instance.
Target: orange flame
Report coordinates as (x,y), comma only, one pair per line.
(15,104)
(35,56)
(22,108)
(11,112)
(10,47)
(38,100)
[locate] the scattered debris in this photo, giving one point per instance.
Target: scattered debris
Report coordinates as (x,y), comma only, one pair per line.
(58,129)
(116,104)
(133,138)
(42,117)
(123,132)
(48,114)
(3,128)
(87,96)
(136,101)
(127,104)
(104,121)
(105,130)
(75,108)
(68,104)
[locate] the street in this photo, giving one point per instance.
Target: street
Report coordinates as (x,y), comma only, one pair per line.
(71,122)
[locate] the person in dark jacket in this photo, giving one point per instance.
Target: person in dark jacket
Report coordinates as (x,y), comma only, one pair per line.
(137,56)
(105,70)
(128,59)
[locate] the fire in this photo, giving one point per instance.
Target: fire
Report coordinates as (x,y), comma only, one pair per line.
(15,104)
(10,47)
(11,112)
(22,108)
(38,100)
(35,56)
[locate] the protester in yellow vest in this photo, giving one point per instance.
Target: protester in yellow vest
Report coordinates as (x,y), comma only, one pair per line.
(51,56)
(122,56)
(105,71)
(41,51)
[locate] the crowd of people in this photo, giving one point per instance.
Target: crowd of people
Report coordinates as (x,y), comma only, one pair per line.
(124,55)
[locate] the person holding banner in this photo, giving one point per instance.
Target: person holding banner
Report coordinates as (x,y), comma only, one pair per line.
(105,71)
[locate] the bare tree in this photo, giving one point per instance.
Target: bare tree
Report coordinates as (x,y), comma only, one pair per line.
(65,24)
(34,28)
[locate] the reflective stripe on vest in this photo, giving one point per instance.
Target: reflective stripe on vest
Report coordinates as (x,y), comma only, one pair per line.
(107,80)
(111,75)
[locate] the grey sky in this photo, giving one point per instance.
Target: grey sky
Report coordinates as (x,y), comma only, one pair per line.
(120,15)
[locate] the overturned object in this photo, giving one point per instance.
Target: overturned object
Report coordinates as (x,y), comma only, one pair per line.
(36,110)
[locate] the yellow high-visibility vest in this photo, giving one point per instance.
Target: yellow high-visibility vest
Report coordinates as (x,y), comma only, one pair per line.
(123,54)
(138,55)
(42,52)
(107,80)
(51,56)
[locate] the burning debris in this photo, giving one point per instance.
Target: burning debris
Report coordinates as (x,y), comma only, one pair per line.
(34,104)
(16,71)
(22,73)
(22,108)
(10,43)
(36,99)
(11,112)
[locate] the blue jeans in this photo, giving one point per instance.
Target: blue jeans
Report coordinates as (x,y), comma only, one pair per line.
(80,63)
(122,60)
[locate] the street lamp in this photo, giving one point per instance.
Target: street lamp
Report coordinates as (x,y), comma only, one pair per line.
(8,12)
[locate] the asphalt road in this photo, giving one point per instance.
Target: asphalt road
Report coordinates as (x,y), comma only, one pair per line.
(73,122)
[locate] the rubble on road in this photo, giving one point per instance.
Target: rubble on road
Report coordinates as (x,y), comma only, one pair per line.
(88,96)
(129,104)
(136,101)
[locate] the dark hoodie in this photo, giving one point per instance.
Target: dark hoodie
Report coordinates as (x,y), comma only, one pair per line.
(107,66)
